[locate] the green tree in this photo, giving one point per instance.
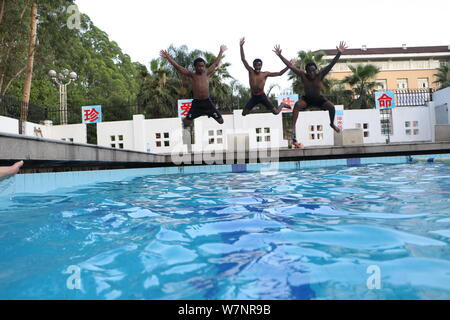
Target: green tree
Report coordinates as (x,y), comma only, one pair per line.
(337,93)
(14,28)
(240,94)
(443,76)
(362,85)
(157,95)
(107,76)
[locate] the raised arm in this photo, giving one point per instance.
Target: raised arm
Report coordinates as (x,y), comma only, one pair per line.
(214,66)
(341,48)
(165,54)
(247,66)
(288,63)
(277,74)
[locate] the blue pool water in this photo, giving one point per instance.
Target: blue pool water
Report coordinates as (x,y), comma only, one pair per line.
(366,232)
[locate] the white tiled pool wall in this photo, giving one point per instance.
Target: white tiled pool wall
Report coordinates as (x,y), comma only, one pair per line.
(45,182)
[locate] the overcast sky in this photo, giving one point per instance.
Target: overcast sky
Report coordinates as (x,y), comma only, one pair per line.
(143,28)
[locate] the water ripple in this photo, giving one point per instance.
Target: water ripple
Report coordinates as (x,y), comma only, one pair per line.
(307,234)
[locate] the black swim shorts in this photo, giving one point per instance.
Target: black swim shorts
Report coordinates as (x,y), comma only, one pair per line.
(260,98)
(314,101)
(203,108)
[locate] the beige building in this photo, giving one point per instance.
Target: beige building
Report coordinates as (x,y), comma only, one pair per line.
(400,67)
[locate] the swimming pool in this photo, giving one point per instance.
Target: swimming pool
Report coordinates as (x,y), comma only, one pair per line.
(374,231)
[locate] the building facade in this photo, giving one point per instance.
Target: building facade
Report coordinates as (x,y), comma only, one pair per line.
(400,67)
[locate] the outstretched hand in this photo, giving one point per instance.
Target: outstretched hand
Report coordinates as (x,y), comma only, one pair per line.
(241,43)
(277,50)
(342,46)
(223,48)
(164,54)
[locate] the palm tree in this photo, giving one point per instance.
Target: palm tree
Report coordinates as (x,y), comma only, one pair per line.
(443,76)
(362,86)
(337,93)
(158,91)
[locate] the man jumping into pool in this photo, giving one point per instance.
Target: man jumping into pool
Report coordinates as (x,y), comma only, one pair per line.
(257,83)
(313,82)
(202,104)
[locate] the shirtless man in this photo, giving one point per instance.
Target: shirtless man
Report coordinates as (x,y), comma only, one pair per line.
(257,83)
(313,82)
(11,170)
(202,104)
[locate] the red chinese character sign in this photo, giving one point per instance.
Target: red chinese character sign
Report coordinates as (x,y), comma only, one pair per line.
(91,114)
(340,117)
(183,107)
(384,100)
(289,99)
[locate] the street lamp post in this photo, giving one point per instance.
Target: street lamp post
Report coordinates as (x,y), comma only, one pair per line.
(63,79)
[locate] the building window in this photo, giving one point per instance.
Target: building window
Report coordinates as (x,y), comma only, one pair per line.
(262,134)
(118,139)
(315,132)
(422,83)
(382,84)
(412,127)
(364,127)
(160,141)
(402,83)
(215,136)
(386,121)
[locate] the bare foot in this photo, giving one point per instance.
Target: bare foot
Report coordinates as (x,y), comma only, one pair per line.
(335,128)
(296,144)
(11,170)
